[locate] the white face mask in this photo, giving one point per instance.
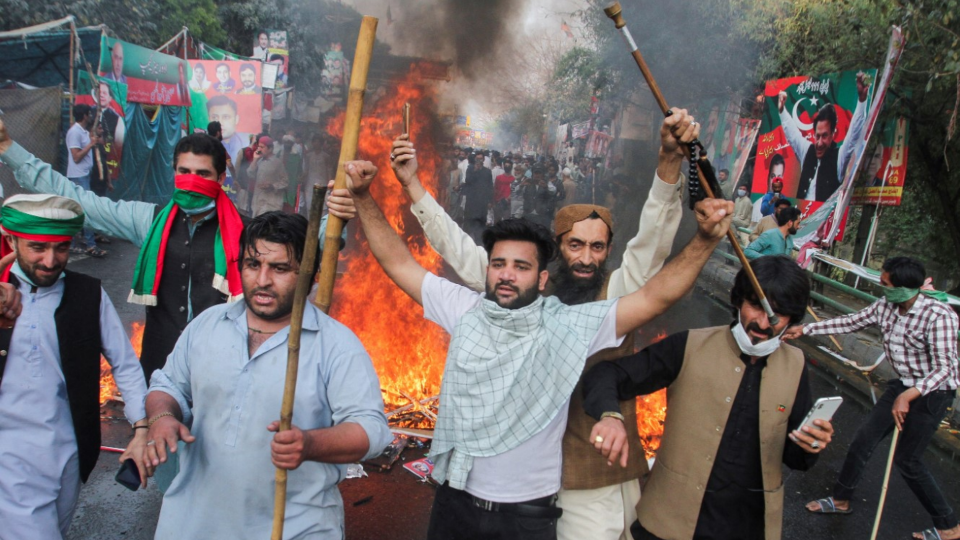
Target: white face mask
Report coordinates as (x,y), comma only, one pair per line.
(764,348)
(741,193)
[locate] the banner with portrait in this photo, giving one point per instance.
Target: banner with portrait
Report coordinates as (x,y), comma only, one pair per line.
(270,46)
(884,172)
(811,133)
(112,99)
(151,77)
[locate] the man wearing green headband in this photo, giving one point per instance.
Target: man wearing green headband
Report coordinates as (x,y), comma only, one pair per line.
(188,247)
(50,372)
(920,342)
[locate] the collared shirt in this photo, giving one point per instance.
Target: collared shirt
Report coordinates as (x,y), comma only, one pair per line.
(733,504)
(79,138)
(772,242)
(38,446)
(225,485)
(921,344)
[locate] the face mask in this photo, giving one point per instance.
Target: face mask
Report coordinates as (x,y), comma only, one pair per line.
(741,193)
(899,295)
(764,348)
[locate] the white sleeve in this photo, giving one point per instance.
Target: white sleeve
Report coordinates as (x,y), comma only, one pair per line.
(124,364)
(73,139)
(647,251)
(467,259)
(853,138)
(445,302)
(606,336)
(794,137)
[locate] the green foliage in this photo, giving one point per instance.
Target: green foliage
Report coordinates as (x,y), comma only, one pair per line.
(130,20)
(200,16)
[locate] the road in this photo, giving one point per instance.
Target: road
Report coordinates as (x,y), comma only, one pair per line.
(395,505)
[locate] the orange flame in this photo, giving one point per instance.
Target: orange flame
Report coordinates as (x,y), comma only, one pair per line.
(651,413)
(108,388)
(407,350)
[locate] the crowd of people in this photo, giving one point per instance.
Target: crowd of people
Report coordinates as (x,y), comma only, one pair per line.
(536,436)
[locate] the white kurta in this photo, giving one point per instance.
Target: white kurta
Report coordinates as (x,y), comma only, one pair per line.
(39,466)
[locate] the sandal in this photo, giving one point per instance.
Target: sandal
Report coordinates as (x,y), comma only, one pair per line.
(96,252)
(103,239)
(77,250)
(827,506)
(929,534)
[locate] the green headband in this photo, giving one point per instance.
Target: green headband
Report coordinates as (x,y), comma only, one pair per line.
(17,222)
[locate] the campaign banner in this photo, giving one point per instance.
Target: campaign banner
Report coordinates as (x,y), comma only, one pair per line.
(230,93)
(886,169)
(151,77)
(580,130)
(110,99)
(746,134)
(335,77)
(270,46)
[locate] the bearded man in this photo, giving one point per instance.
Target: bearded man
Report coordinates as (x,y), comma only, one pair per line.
(598,501)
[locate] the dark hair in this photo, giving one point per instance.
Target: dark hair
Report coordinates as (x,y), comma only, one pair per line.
(725,171)
(280,228)
(826,114)
(782,280)
(276,56)
(905,272)
(222,64)
(202,144)
(81,111)
(782,202)
(787,215)
(247,65)
(522,230)
(219,101)
(777,159)
(213,128)
(199,66)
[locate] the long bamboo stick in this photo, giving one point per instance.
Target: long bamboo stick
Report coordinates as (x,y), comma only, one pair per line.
(615,12)
(304,282)
(817,319)
(886,482)
(348,151)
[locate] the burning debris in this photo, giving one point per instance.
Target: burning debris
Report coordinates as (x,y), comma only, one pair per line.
(108,388)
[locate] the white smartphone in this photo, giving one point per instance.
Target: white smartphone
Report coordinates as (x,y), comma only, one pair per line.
(823,409)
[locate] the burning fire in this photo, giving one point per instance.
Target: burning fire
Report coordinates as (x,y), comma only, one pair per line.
(651,413)
(408,351)
(108,388)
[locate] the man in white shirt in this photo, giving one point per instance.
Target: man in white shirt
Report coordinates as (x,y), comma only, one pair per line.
(514,360)
(81,144)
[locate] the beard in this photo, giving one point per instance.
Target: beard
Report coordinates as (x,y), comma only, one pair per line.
(573,290)
(284,304)
(524,297)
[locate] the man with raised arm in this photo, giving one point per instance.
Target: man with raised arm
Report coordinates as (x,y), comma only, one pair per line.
(198,228)
(598,501)
(513,362)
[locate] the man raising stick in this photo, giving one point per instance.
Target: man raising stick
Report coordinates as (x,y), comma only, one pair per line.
(598,501)
(514,359)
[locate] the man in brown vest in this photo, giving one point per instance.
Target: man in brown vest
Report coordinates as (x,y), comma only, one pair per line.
(598,501)
(736,396)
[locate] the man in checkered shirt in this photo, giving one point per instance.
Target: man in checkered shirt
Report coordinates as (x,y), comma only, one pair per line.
(920,341)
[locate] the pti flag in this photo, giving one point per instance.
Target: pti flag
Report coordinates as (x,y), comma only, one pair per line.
(151,77)
(110,99)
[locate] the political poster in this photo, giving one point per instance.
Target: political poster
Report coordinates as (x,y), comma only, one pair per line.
(151,77)
(110,99)
(885,170)
(723,134)
(270,46)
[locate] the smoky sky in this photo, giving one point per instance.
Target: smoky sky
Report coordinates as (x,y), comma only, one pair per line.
(472,33)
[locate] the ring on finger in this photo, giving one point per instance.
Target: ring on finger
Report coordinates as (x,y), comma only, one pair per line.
(694,123)
(393,156)
(151,443)
(599,439)
(815,445)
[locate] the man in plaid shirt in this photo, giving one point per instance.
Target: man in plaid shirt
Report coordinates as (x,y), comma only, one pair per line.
(920,341)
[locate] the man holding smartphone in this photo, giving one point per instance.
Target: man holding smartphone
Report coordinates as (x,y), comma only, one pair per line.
(50,371)
(737,398)
(920,341)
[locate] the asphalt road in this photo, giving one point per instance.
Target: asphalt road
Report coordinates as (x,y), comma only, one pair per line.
(396,505)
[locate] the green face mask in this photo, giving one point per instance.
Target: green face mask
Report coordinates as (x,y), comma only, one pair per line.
(899,295)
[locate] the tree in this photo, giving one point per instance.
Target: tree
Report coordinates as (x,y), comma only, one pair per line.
(200,16)
(130,20)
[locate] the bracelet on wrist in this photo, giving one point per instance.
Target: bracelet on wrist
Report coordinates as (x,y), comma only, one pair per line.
(611,414)
(157,417)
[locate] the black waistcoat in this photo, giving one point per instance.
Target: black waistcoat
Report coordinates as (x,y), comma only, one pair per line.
(78,334)
(186,259)
(828,179)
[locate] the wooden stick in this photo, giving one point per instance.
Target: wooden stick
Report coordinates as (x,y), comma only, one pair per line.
(817,319)
(886,482)
(304,281)
(348,151)
(615,12)
(406,119)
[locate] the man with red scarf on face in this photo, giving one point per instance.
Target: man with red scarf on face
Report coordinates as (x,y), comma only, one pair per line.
(188,248)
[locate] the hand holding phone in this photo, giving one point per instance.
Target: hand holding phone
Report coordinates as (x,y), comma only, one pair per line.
(128,476)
